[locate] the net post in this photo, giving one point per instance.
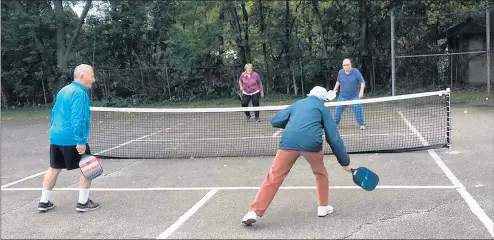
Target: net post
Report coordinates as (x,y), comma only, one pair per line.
(393,64)
(448,118)
(488,49)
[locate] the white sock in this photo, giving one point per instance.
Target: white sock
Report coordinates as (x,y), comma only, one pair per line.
(45,195)
(83,195)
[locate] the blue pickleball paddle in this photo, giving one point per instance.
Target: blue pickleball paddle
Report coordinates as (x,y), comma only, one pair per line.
(365,178)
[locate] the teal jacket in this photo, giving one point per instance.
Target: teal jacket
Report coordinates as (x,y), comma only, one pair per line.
(70,116)
(304,122)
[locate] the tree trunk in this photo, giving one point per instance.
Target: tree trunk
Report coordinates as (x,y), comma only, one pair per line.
(363,48)
(302,90)
(5,96)
(264,48)
(47,69)
(44,89)
(325,54)
(238,30)
(246,32)
(64,48)
(315,6)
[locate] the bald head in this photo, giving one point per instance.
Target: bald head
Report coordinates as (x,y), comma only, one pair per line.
(84,75)
(347,65)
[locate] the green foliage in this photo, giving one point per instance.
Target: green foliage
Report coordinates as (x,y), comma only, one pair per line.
(147,52)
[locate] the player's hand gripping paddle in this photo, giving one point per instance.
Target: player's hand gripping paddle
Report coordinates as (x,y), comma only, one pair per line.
(90,167)
(330,95)
(365,178)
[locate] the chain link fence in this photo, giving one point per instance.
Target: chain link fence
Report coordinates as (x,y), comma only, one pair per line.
(441,50)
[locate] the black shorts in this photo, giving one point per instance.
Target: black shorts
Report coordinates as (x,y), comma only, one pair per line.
(65,157)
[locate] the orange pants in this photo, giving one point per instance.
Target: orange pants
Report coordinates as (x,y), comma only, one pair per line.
(282,165)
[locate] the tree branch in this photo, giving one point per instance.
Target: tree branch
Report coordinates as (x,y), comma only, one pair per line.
(78,29)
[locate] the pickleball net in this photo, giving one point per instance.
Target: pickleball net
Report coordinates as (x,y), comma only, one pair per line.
(392,124)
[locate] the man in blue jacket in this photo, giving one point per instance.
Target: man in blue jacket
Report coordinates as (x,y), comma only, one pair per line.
(68,133)
(352,88)
(304,123)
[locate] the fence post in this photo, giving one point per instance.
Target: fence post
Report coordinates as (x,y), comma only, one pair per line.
(488,49)
(393,73)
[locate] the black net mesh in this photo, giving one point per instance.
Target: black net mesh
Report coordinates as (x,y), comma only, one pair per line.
(392,124)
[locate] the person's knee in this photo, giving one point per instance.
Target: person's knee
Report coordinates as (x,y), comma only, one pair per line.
(53,171)
(52,174)
(320,171)
(83,181)
(255,102)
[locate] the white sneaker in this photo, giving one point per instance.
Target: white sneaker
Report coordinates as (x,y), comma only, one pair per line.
(249,218)
(323,211)
(362,127)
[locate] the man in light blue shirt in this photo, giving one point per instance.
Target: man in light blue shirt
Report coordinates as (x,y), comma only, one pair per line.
(68,134)
(352,85)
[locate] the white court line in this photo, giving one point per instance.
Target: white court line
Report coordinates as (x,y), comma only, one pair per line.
(23,179)
(226,188)
(277,133)
(131,141)
(460,188)
(121,145)
(169,231)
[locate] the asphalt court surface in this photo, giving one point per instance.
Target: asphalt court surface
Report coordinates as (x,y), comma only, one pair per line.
(207,197)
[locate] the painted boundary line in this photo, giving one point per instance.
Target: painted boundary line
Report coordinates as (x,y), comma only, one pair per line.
(460,188)
(182,219)
(120,145)
(226,188)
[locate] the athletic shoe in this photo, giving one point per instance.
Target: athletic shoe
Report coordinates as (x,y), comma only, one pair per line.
(323,211)
(249,218)
(43,207)
(88,206)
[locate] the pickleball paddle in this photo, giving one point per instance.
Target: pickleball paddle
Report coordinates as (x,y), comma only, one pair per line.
(90,167)
(365,178)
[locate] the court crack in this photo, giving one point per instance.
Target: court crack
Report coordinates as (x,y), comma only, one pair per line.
(17,208)
(403,215)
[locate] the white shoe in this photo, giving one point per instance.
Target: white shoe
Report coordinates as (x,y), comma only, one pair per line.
(362,127)
(323,211)
(249,218)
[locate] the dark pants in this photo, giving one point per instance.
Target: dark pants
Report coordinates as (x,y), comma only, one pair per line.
(65,157)
(255,102)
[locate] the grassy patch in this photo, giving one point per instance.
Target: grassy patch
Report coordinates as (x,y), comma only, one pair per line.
(25,113)
(469,96)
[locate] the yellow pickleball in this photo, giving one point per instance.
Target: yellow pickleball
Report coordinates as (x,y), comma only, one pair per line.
(465,112)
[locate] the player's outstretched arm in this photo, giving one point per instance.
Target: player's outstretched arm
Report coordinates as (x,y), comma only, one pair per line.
(280,119)
(334,139)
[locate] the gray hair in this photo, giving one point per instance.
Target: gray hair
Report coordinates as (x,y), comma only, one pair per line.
(81,68)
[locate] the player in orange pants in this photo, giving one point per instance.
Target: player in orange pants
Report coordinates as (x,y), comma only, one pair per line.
(303,122)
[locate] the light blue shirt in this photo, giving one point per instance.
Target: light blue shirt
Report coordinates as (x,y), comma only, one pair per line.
(350,83)
(70,116)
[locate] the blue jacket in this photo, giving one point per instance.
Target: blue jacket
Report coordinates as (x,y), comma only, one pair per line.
(70,116)
(304,122)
